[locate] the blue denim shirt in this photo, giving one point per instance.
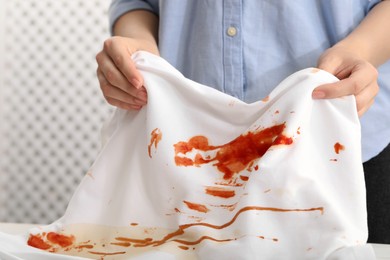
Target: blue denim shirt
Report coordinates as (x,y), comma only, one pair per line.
(246,47)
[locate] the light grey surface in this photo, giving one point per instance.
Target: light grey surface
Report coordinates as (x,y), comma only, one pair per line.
(51,107)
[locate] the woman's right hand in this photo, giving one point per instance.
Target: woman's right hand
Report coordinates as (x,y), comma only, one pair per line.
(120,81)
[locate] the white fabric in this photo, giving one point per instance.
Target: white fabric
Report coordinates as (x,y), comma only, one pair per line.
(155,193)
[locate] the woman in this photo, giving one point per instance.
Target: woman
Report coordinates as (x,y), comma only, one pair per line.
(245,48)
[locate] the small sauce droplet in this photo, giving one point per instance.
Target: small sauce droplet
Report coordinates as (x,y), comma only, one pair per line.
(155,138)
(220,192)
(338,147)
(197,207)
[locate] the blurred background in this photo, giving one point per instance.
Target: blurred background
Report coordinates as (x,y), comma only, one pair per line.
(51,107)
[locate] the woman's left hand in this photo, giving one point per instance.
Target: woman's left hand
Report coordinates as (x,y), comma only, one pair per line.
(357,77)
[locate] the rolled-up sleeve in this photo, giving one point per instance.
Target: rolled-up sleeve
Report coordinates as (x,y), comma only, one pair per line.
(120,7)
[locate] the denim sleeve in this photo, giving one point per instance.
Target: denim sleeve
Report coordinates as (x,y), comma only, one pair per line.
(119,7)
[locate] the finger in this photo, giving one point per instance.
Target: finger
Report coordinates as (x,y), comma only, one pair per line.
(112,92)
(366,97)
(122,59)
(113,75)
(365,108)
(353,85)
(122,105)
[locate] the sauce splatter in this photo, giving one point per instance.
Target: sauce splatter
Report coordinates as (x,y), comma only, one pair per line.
(47,241)
(106,253)
(220,192)
(182,228)
(37,242)
(235,156)
(59,239)
(84,246)
(244,178)
(155,138)
(230,207)
(197,207)
(124,244)
(338,147)
(273,239)
(191,243)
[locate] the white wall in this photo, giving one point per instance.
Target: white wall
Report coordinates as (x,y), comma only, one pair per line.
(51,107)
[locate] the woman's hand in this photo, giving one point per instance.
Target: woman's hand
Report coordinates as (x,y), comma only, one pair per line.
(357,77)
(120,81)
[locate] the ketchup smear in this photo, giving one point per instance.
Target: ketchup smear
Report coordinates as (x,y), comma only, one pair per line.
(235,156)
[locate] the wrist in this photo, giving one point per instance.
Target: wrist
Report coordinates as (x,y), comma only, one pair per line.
(145,45)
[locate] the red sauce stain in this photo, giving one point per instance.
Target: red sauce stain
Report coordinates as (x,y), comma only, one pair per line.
(299,130)
(244,178)
(61,240)
(124,244)
(277,112)
(191,243)
(338,147)
(230,207)
(155,138)
(106,253)
(273,239)
(184,247)
(133,224)
(256,167)
(235,156)
(230,183)
(197,207)
(182,228)
(84,246)
(196,218)
(177,210)
(220,192)
(37,242)
(134,240)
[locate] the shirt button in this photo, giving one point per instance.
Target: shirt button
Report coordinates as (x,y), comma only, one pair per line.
(231,31)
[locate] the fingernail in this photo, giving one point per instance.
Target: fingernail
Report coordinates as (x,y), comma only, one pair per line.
(318,94)
(136,83)
(142,95)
